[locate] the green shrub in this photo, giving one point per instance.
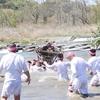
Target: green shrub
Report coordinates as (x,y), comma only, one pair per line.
(13,22)
(25,42)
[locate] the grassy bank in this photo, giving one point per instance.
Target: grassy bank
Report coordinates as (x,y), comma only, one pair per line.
(27,33)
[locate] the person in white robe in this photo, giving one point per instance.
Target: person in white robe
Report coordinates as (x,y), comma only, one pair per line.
(37,67)
(94,61)
(78,80)
(61,67)
(13,64)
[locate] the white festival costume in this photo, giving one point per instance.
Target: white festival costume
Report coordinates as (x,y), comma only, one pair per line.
(79,78)
(37,68)
(13,64)
(61,69)
(95,63)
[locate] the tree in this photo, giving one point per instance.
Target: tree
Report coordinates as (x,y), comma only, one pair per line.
(95,38)
(84,10)
(3,2)
(96,10)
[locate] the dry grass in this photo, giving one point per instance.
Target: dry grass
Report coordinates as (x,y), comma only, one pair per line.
(29,32)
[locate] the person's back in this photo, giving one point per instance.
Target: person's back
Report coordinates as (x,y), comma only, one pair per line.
(13,64)
(80,66)
(78,80)
(94,61)
(60,67)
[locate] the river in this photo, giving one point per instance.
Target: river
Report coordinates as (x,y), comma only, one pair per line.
(46,86)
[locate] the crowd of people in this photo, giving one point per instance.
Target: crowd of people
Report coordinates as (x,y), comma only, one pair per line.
(79,82)
(35,65)
(59,66)
(79,66)
(15,65)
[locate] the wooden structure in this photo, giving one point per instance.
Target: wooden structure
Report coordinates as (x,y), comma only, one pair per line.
(49,55)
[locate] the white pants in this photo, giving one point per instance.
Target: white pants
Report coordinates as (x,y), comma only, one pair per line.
(11,87)
(95,80)
(80,84)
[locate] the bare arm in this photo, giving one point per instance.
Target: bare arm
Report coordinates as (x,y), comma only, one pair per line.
(28,77)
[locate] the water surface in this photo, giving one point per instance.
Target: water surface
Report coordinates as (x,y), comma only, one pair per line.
(46,86)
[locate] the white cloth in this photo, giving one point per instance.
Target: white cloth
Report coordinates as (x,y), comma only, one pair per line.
(79,78)
(95,63)
(13,64)
(62,69)
(37,68)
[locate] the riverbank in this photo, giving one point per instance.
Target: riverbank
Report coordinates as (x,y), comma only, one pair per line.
(63,43)
(29,33)
(27,37)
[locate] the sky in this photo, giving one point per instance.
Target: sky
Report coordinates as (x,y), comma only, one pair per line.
(90,2)
(39,1)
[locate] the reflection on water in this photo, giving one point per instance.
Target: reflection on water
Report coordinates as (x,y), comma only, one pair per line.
(46,86)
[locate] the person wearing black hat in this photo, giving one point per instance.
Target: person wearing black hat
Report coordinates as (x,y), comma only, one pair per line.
(94,61)
(60,66)
(13,64)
